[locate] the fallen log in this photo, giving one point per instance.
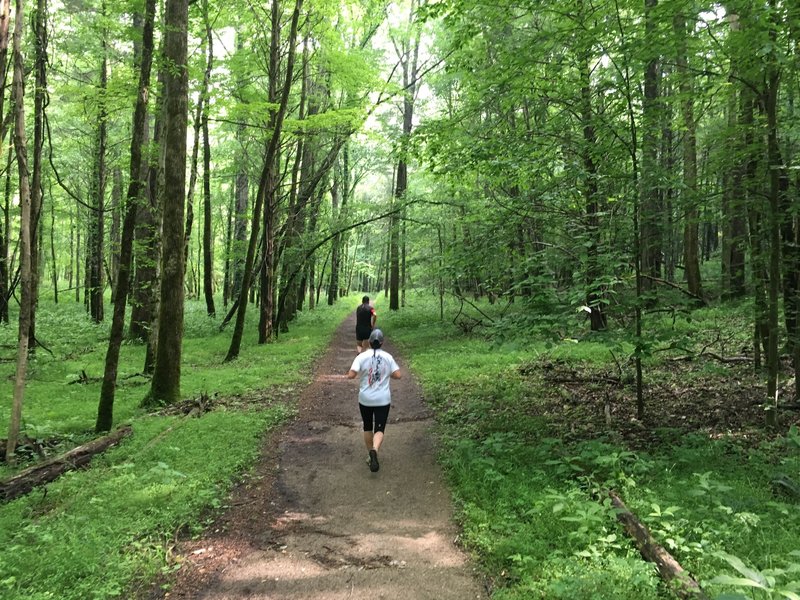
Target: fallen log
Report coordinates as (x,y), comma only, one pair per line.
(677,578)
(24,481)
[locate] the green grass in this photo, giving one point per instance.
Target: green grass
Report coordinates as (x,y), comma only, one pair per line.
(101,532)
(531,503)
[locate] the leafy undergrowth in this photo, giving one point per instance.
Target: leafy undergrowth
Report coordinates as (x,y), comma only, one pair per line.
(534,433)
(95,533)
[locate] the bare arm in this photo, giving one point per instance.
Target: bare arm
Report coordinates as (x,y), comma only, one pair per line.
(351,374)
(396,375)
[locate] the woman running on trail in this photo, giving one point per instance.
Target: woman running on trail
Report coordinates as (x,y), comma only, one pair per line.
(365,322)
(375,368)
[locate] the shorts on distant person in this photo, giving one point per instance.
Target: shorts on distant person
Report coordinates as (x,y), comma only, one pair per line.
(362,333)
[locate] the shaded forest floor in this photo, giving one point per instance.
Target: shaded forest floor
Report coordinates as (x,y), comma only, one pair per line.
(680,397)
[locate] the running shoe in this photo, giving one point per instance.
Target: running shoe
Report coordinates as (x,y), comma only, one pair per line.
(373,461)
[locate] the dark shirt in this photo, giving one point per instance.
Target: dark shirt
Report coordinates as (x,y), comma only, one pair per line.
(364,314)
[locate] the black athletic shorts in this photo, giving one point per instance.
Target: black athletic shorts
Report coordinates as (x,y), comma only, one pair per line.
(374,417)
(362,333)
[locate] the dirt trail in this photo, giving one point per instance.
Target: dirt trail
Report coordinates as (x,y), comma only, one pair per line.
(315,523)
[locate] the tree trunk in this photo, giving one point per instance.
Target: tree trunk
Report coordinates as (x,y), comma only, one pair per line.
(136,187)
(39,102)
(116,209)
(597,317)
(21,148)
(408,58)
(165,387)
(651,242)
(267,183)
(5,8)
(208,240)
(95,237)
(776,175)
(691,242)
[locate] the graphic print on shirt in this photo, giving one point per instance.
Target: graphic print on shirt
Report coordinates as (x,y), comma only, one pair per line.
(375,373)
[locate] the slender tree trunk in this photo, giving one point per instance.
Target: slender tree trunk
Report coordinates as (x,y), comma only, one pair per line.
(5,9)
(267,184)
(239,244)
(53,251)
(95,238)
(39,104)
(691,242)
(408,58)
(651,243)
(116,208)
(4,284)
(597,317)
(20,145)
(136,187)
(208,240)
(776,175)
(165,387)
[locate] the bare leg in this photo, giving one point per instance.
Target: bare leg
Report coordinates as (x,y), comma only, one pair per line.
(368,440)
(365,345)
(377,440)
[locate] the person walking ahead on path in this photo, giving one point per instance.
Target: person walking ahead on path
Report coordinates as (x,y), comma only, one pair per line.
(375,368)
(365,323)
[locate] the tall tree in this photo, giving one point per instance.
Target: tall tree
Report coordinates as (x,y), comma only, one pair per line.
(208,240)
(267,183)
(691,242)
(21,149)
(136,187)
(39,104)
(95,239)
(165,386)
(408,55)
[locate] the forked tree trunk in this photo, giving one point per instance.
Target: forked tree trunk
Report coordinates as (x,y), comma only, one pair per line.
(21,149)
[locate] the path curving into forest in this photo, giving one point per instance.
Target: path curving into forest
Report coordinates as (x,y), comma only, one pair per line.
(315,523)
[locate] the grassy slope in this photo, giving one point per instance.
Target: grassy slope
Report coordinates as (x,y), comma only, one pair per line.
(95,532)
(527,495)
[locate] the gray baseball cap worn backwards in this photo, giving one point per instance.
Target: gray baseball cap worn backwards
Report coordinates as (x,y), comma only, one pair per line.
(376,338)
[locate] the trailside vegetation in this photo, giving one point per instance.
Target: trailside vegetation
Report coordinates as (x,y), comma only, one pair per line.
(540,441)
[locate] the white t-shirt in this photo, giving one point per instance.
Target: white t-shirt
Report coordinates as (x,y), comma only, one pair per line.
(375,367)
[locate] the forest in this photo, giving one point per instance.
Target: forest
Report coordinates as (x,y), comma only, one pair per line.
(579,223)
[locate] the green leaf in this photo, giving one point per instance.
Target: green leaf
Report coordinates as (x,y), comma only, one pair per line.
(740,581)
(751,574)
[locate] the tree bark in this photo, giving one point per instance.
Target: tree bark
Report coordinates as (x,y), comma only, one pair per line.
(691,241)
(25,481)
(136,187)
(267,183)
(165,387)
(651,242)
(39,104)
(21,149)
(594,299)
(95,238)
(5,9)
(681,582)
(208,240)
